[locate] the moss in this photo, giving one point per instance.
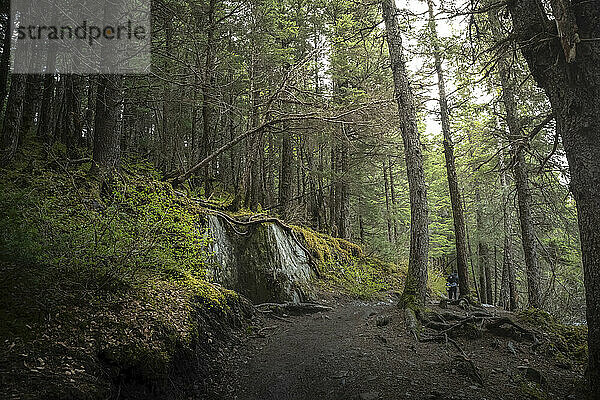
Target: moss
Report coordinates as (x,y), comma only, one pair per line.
(567,345)
(105,283)
(408,300)
(242,213)
(209,294)
(533,391)
(316,244)
(345,268)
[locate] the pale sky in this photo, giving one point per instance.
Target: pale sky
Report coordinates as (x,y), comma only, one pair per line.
(444,29)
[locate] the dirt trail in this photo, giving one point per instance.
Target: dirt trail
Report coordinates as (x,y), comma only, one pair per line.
(344,354)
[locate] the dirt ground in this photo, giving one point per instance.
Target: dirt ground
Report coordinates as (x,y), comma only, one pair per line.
(353,352)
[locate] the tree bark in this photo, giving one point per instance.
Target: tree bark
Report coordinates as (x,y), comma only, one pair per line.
(455,197)
(33,86)
(13,117)
(72,119)
(517,141)
(47,106)
(495,275)
(387,203)
(107,139)
(285,177)
(344,198)
(393,198)
(333,192)
(416,279)
(481,248)
(572,84)
(90,111)
(508,291)
(5,57)
(207,93)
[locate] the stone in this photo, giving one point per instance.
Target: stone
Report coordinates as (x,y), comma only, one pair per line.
(383,320)
(368,396)
(265,265)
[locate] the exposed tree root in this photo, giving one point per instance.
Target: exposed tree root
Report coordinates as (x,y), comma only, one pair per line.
(274,220)
(498,322)
(412,322)
(474,372)
(432,326)
(300,308)
(448,322)
(271,314)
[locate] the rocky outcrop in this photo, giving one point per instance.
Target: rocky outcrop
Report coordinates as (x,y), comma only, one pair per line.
(261,261)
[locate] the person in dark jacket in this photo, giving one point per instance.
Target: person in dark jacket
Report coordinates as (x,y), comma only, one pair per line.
(452,285)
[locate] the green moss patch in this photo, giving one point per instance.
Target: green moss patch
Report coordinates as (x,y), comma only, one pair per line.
(344,267)
(103,283)
(566,344)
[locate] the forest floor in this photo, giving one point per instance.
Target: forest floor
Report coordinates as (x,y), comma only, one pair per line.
(361,350)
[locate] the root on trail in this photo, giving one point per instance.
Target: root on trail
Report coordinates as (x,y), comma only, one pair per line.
(472,320)
(291,307)
(412,322)
(475,323)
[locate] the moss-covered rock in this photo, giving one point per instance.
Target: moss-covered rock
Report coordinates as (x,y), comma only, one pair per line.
(343,266)
(264,262)
(325,248)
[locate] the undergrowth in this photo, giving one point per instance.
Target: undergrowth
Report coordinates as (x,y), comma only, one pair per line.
(117,230)
(344,267)
(101,279)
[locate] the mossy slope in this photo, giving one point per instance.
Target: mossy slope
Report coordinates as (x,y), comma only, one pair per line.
(103,288)
(344,266)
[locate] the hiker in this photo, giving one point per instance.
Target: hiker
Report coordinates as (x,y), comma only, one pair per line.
(452,285)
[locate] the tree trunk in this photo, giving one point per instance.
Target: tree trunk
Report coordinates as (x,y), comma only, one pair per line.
(13,116)
(495,275)
(570,75)
(72,126)
(5,57)
(393,198)
(470,255)
(207,93)
(387,203)
(509,284)
(457,211)
(256,172)
(344,221)
(481,248)
(47,106)
(488,275)
(33,88)
(90,111)
(416,279)
(285,177)
(520,172)
(107,139)
(333,192)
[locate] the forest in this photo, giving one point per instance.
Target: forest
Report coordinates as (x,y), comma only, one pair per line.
(286,162)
